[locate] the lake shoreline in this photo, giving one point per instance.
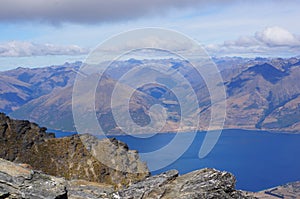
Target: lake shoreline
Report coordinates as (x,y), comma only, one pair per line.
(55,131)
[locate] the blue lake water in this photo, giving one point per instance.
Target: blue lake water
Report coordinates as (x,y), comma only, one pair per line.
(258,159)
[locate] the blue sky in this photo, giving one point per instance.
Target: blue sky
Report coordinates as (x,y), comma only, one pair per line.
(41,32)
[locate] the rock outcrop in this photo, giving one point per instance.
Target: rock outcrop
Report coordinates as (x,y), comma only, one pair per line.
(81,189)
(204,183)
(17,137)
(76,157)
(17,181)
(290,190)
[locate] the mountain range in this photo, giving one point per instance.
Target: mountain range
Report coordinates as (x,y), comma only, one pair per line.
(262,93)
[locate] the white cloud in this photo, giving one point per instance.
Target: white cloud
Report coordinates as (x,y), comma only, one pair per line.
(272,41)
(242,41)
(23,49)
(276,36)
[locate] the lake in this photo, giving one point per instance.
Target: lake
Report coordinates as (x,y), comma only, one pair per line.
(258,159)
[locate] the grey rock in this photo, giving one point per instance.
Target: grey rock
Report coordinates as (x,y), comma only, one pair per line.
(3,193)
(81,189)
(290,190)
(205,183)
(142,188)
(19,182)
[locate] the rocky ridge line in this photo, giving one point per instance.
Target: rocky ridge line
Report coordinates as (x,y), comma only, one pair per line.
(18,182)
(76,157)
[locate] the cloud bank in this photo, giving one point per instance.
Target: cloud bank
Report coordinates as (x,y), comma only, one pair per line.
(26,49)
(91,11)
(270,41)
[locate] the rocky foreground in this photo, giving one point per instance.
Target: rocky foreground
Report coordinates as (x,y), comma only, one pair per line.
(18,181)
(290,190)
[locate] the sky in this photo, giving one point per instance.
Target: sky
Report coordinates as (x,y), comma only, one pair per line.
(46,32)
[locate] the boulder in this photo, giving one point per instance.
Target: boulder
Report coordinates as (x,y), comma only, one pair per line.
(20,182)
(204,183)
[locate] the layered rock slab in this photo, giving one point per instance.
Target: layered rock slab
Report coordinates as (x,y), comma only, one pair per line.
(205,183)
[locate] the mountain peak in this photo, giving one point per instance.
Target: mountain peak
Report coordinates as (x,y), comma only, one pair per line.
(269,72)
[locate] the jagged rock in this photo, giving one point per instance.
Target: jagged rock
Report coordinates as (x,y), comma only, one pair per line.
(81,189)
(19,182)
(118,157)
(105,163)
(18,136)
(205,183)
(76,157)
(142,188)
(290,190)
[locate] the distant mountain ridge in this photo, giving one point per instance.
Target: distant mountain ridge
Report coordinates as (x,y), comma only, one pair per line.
(21,85)
(262,93)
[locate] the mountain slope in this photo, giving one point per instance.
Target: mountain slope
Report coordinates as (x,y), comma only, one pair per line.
(75,157)
(54,110)
(262,93)
(13,93)
(22,85)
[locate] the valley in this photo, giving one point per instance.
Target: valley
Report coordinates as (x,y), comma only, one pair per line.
(262,94)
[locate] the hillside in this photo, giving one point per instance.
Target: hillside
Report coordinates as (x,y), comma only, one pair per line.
(261,96)
(75,157)
(22,85)
(262,93)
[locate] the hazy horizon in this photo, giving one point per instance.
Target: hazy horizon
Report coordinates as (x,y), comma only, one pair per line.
(54,33)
